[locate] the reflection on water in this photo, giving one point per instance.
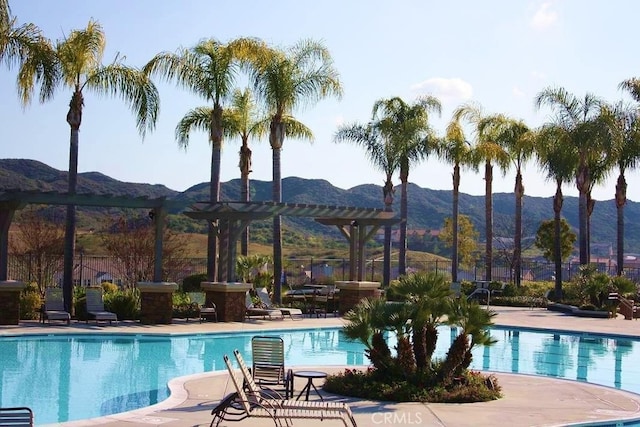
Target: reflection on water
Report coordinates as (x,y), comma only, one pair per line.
(72,377)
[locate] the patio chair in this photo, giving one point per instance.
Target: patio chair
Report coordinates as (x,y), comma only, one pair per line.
(258,407)
(54,307)
(268,367)
(286,311)
(95,306)
(252,310)
(256,390)
(204,311)
(16,417)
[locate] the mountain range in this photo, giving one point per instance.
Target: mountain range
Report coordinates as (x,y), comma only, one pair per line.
(427,208)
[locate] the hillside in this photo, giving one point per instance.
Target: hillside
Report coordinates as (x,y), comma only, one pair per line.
(427,208)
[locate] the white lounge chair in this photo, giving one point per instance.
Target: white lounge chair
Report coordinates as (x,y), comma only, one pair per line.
(54,306)
(256,406)
(252,311)
(95,306)
(287,311)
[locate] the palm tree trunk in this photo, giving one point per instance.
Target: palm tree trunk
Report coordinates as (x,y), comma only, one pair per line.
(557,248)
(245,170)
(517,250)
(591,204)
(582,184)
(402,256)
(387,191)
(214,197)
(276,138)
(74,118)
(488,212)
(454,224)
(418,336)
(621,200)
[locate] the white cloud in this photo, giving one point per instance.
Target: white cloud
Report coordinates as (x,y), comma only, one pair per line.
(517,92)
(453,90)
(538,75)
(339,121)
(544,17)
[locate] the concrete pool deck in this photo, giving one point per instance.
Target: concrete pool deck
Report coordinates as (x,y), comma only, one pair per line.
(528,400)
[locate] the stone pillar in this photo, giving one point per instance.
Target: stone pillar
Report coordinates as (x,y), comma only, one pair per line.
(351,292)
(10,301)
(156,302)
(229,298)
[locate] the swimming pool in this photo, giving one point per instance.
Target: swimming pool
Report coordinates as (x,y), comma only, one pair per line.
(78,376)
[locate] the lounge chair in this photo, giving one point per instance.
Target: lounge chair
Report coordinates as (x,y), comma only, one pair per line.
(251,310)
(95,306)
(258,407)
(16,417)
(54,306)
(286,311)
(268,368)
(256,390)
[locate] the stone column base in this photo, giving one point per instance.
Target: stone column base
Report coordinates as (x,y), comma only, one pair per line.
(156,302)
(229,298)
(351,293)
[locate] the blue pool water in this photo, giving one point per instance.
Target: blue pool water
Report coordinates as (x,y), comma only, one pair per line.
(71,377)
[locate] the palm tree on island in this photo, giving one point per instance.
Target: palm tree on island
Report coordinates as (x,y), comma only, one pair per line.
(284,81)
(78,66)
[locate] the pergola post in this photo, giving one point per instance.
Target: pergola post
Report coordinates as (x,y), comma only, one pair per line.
(6,216)
(158,215)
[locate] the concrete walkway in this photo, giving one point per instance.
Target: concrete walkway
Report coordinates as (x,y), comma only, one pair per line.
(527,401)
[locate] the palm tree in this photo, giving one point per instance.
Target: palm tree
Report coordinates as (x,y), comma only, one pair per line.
(628,155)
(577,118)
(285,81)
(555,157)
(517,140)
(486,150)
(407,126)
(455,150)
(380,152)
(209,69)
(26,46)
(367,323)
(242,120)
(78,62)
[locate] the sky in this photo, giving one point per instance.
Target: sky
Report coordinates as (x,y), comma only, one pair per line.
(498,53)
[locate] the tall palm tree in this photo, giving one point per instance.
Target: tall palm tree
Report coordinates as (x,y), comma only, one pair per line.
(413,139)
(578,119)
(285,81)
(485,150)
(556,158)
(78,62)
(515,137)
(628,155)
(625,127)
(455,150)
(242,121)
(209,69)
(382,156)
(26,46)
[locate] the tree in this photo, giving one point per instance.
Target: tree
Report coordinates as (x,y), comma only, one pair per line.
(556,159)
(627,154)
(412,139)
(39,245)
(575,120)
(132,243)
(78,64)
(456,151)
(242,121)
(517,140)
(467,241)
(380,152)
(485,150)
(208,70)
(285,81)
(546,240)
(26,46)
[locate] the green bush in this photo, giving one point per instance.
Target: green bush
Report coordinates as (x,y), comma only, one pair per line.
(30,302)
(124,303)
(192,283)
(109,287)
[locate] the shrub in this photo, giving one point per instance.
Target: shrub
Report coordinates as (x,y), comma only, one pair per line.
(124,303)
(108,287)
(192,283)
(30,302)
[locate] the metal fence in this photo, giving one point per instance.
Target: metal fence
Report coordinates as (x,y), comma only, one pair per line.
(92,270)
